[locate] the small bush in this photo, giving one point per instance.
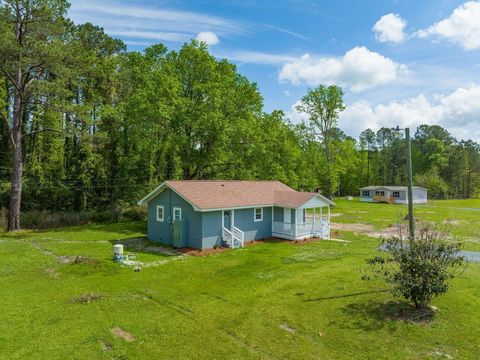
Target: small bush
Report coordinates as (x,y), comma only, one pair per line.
(3,219)
(419,269)
(39,220)
(136,213)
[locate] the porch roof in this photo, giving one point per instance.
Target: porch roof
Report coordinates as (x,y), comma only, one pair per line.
(208,195)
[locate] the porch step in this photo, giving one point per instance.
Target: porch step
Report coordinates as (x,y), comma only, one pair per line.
(233,239)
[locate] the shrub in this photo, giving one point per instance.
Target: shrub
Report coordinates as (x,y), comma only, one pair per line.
(136,213)
(419,269)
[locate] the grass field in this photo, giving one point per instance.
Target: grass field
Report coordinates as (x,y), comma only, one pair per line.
(461,216)
(274,300)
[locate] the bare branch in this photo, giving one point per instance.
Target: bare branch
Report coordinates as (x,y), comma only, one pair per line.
(7,74)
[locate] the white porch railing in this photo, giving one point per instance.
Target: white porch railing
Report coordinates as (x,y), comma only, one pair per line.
(233,239)
(318,228)
(238,237)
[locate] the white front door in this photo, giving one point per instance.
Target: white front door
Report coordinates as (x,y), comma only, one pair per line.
(287,218)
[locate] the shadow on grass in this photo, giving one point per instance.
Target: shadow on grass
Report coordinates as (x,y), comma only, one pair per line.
(347,295)
(374,315)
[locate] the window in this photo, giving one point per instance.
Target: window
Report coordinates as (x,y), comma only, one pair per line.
(382,193)
(366,193)
(160,213)
(258,214)
(177,214)
(396,194)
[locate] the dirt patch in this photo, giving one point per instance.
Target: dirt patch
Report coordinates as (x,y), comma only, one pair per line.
(287,328)
(206,252)
(120,333)
(107,346)
(369,230)
(359,228)
(452,222)
(51,272)
(74,259)
(86,298)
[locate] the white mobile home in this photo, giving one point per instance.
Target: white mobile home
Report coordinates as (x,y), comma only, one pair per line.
(392,194)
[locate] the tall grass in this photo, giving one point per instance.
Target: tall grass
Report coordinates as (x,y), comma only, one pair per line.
(37,220)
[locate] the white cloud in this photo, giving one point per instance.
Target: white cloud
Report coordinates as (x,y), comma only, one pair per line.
(462,27)
(286,92)
(458,112)
(139,22)
(150,35)
(390,28)
(208,37)
(294,115)
(257,57)
(359,69)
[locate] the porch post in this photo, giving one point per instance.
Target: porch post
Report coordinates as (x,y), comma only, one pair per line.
(314,211)
(295,230)
(321,211)
(329,214)
(273,209)
(232,222)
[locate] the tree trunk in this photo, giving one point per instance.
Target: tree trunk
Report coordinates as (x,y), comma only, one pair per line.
(329,193)
(17,159)
(368,167)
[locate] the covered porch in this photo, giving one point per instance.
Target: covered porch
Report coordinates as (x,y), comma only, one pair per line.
(302,222)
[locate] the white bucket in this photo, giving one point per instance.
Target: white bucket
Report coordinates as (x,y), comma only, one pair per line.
(118,252)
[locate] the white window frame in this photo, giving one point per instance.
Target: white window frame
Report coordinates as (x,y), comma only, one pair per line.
(365,193)
(180,211)
(255,214)
(397,193)
(380,192)
(161,219)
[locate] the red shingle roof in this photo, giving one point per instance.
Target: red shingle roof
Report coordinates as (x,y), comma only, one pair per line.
(220,194)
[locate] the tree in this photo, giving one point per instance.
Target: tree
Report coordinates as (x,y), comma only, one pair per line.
(431,180)
(323,106)
(31,44)
(367,142)
(421,268)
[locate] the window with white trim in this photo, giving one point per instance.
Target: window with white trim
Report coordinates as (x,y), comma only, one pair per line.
(160,213)
(380,192)
(366,193)
(258,214)
(177,214)
(396,194)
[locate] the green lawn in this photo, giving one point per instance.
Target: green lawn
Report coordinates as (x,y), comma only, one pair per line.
(268,301)
(461,216)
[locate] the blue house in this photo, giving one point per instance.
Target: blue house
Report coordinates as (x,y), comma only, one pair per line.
(203,214)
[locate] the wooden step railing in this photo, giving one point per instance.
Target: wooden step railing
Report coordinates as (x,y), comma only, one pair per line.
(233,239)
(383,199)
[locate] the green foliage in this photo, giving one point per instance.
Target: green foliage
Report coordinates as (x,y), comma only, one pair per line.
(102,126)
(323,105)
(431,180)
(422,268)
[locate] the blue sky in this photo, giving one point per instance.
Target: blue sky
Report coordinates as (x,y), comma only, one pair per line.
(399,61)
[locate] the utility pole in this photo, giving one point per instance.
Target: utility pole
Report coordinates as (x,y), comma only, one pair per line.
(411,223)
